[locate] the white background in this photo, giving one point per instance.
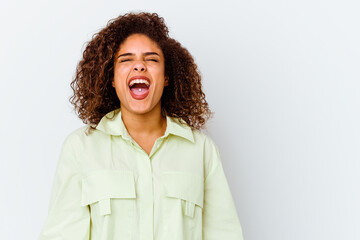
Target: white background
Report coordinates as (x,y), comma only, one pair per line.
(281,76)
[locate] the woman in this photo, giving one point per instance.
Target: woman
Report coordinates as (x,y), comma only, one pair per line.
(141,168)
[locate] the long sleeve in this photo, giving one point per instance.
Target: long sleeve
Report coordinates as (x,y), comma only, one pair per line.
(220,219)
(66,219)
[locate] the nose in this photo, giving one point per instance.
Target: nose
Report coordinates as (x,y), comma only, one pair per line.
(139,66)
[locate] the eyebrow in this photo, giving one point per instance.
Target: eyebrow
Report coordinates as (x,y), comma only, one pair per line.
(132,54)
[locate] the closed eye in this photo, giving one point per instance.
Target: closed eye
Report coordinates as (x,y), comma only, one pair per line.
(125,60)
(152,60)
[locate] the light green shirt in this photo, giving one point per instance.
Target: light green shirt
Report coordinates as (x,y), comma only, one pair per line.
(106,187)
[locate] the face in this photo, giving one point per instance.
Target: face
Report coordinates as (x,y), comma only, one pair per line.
(139,74)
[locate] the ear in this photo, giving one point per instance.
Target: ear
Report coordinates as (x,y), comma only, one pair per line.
(166,83)
(113,83)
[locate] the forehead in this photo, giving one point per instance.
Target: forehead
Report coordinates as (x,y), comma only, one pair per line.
(137,43)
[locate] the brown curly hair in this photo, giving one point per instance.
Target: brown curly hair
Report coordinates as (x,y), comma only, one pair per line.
(93,95)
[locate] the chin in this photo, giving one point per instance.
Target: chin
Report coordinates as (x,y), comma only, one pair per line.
(140,109)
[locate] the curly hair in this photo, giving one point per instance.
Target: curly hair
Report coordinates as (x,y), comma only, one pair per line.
(93,95)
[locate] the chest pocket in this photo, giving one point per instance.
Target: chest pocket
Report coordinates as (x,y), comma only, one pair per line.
(187,187)
(109,191)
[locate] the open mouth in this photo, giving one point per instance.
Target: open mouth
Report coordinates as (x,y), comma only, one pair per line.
(139,88)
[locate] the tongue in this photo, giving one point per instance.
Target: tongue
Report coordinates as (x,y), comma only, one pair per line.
(139,91)
(139,88)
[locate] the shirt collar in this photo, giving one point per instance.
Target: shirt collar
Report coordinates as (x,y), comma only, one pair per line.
(116,126)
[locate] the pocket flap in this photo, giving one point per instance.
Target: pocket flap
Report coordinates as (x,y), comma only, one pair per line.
(187,186)
(105,184)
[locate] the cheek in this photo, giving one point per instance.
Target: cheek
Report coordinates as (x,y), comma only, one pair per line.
(158,72)
(123,70)
(120,76)
(119,86)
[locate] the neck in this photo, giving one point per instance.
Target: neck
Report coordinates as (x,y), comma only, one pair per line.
(147,124)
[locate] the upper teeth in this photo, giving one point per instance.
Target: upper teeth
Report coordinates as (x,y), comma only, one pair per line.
(132,82)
